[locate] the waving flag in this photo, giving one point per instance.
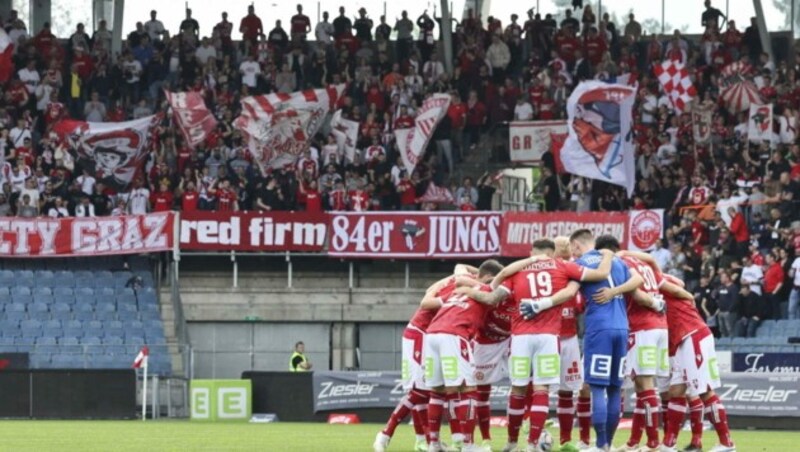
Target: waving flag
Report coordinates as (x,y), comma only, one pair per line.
(674,78)
(412,142)
(6,53)
(279,126)
(192,116)
(437,195)
(116,150)
(759,124)
(346,133)
(600,141)
(141,359)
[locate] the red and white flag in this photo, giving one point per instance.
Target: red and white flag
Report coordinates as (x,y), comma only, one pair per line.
(437,195)
(6,53)
(279,126)
(141,358)
(412,142)
(346,133)
(192,116)
(116,150)
(674,78)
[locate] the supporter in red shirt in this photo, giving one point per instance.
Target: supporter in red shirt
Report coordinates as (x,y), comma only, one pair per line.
(162,199)
(25,152)
(227,200)
(547,107)
(773,283)
(732,38)
(338,197)
(83,63)
(300,26)
(251,27)
(476,117)
(189,197)
(594,47)
(358,199)
(45,40)
(313,198)
(404,120)
(408,193)
(739,230)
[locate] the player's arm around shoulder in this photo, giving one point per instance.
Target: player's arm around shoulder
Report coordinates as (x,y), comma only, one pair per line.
(605,294)
(512,269)
(602,271)
(676,291)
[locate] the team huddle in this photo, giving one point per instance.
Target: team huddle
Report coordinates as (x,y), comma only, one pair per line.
(482,325)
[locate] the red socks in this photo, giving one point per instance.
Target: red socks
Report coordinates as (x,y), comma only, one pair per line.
(516,411)
(637,425)
(566,415)
(400,412)
(716,414)
(538,415)
(650,404)
(484,411)
(696,421)
(465,412)
(435,410)
(585,419)
(676,411)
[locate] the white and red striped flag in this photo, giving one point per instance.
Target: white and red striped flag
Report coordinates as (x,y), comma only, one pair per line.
(412,142)
(141,358)
(674,78)
(6,53)
(192,116)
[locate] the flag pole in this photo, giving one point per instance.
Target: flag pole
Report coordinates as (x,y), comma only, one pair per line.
(144,391)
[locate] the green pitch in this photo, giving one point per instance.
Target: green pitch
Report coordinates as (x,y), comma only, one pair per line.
(138,436)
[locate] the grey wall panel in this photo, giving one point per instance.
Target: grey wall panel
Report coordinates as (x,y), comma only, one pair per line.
(380,345)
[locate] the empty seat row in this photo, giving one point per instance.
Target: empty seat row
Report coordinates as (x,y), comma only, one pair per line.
(76,291)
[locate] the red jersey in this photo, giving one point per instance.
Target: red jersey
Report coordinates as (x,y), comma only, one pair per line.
(300,23)
(26,154)
(404,122)
(459,315)
(227,200)
(497,325)
(408,196)
(569,315)
(53,112)
(338,200)
(422,318)
(359,201)
(313,201)
(682,318)
(540,279)
(641,318)
(773,276)
(535,93)
(189,201)
(251,24)
(161,201)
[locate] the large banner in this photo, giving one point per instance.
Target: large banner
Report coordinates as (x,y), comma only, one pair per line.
(412,142)
(743,394)
(60,237)
(766,362)
(192,116)
(520,229)
(529,140)
(645,228)
(253,231)
(415,235)
(116,150)
(759,124)
(600,142)
(346,133)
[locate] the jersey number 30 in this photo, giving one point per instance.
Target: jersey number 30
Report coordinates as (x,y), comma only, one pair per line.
(541,284)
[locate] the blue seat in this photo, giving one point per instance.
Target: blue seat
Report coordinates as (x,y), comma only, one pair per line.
(128,316)
(105,292)
(52,325)
(40,316)
(106,306)
(63,292)
(19,290)
(91,340)
(134,341)
(83,292)
(6,324)
(16,315)
(65,362)
(46,340)
(6,275)
(63,282)
(150,316)
(69,340)
(31,333)
(4,290)
(5,297)
(155,336)
(39,360)
(106,315)
(24,273)
(124,291)
(116,350)
(15,306)
(114,332)
(103,274)
(127,307)
(83,316)
(30,324)
(38,306)
(135,324)
(24,299)
(60,306)
(24,282)
(42,291)
(84,306)
(43,274)
(132,332)
(112,339)
(46,299)
(102,362)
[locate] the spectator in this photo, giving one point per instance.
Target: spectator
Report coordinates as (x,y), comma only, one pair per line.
(250,27)
(189,28)
(551,190)
(773,283)
(739,230)
(728,305)
(341,23)
(363,26)
(324,31)
(466,191)
(58,209)
(752,275)
(154,28)
(794,296)
(403,26)
(710,17)
(633,29)
(85,208)
(751,313)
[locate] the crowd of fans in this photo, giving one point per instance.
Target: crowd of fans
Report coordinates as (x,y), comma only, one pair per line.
(731,206)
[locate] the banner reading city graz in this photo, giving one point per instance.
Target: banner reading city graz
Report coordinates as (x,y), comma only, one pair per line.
(415,235)
(59,237)
(529,140)
(742,394)
(253,231)
(520,229)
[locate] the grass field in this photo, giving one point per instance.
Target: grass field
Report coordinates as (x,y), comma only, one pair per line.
(107,436)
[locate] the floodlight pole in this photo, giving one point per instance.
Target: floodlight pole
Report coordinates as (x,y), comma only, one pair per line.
(763,33)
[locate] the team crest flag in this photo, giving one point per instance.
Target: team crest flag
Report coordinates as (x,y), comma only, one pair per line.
(599,144)
(115,150)
(674,78)
(412,142)
(701,124)
(192,116)
(759,124)
(279,126)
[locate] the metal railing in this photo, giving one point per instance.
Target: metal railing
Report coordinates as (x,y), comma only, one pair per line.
(166,396)
(179,319)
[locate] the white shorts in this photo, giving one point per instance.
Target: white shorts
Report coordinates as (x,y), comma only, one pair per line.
(647,354)
(491,361)
(695,364)
(412,373)
(534,358)
(571,364)
(448,361)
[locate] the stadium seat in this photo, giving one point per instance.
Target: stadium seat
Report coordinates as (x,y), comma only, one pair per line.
(38,306)
(39,360)
(46,340)
(25,282)
(46,299)
(124,291)
(83,316)
(16,315)
(41,291)
(22,298)
(15,307)
(106,306)
(19,290)
(62,292)
(112,339)
(103,274)
(150,316)
(91,340)
(116,350)
(106,315)
(104,292)
(43,274)
(69,340)
(24,274)
(65,362)
(60,306)
(83,274)
(82,292)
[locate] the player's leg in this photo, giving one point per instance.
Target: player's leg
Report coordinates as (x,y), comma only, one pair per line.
(696,409)
(619,344)
(643,363)
(676,413)
(491,362)
(520,371)
(716,414)
(468,395)
(598,363)
(484,411)
(583,411)
(546,372)
(434,379)
(571,381)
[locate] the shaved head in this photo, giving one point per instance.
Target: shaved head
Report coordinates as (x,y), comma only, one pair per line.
(562,247)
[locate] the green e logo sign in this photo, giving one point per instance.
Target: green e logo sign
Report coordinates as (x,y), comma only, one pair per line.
(216,400)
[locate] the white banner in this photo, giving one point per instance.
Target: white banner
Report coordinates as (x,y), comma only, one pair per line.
(346,133)
(645,227)
(529,140)
(279,126)
(412,142)
(759,124)
(600,142)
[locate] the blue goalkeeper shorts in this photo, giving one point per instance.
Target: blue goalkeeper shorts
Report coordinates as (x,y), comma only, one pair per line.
(604,354)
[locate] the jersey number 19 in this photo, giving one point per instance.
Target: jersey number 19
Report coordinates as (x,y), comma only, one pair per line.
(541,284)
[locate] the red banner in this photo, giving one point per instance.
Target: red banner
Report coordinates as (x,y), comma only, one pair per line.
(520,229)
(253,231)
(53,237)
(415,235)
